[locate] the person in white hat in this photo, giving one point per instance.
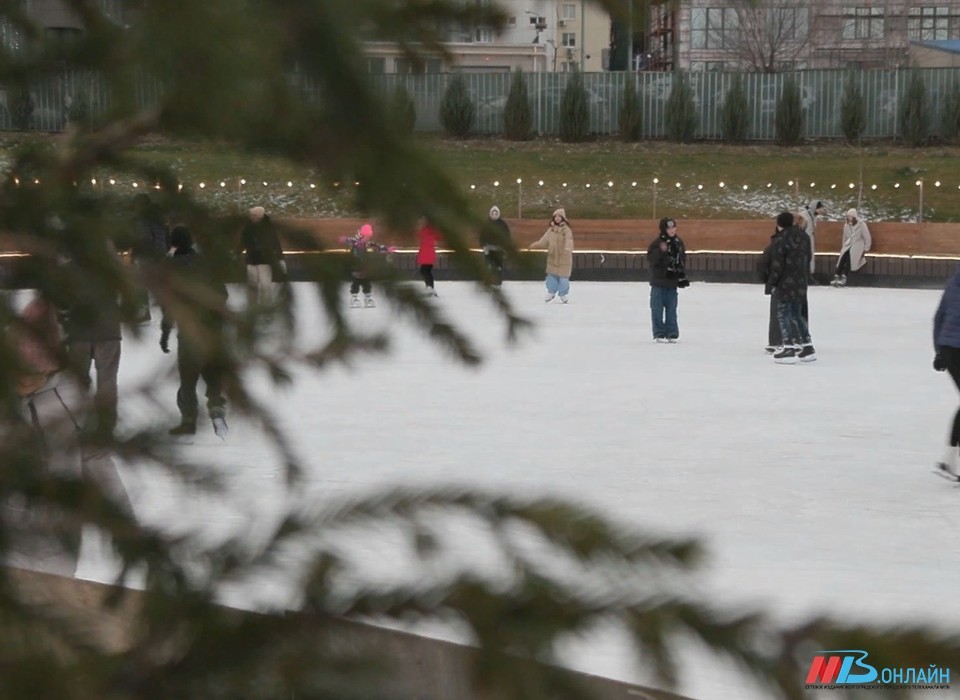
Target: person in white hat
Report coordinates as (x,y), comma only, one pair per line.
(853,251)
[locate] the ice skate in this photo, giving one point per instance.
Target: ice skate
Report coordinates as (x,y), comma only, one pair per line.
(787,355)
(220,427)
(354,301)
(186,427)
(807,353)
(673,341)
(368,301)
(770,349)
(431,292)
(564,298)
(660,339)
(548,298)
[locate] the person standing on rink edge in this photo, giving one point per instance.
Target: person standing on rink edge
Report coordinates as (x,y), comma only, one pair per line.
(558,240)
(811,211)
(428,237)
(493,237)
(853,250)
(264,257)
(946,348)
(789,270)
(666,256)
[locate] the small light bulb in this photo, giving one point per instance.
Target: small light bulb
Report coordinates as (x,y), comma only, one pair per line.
(242,181)
(264,183)
(180,187)
(833,187)
(519,180)
(289,184)
(656,180)
(919,182)
(223,184)
(936,184)
(813,184)
(873,187)
(496,183)
(769,184)
(202,185)
(588,185)
(564,184)
(610,183)
(93,181)
(722,185)
(136,185)
(540,183)
(473,187)
(896,186)
(851,185)
(678,185)
(699,187)
(313,186)
(790,183)
(112,181)
(633,184)
(744,188)
(36,181)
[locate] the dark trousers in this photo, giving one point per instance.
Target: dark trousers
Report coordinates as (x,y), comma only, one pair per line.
(494,260)
(843,265)
(191,369)
(426,271)
(105,357)
(359,283)
(774,334)
(951,356)
(663,312)
(793,327)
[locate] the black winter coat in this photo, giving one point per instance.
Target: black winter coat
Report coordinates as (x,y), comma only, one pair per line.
(496,234)
(763,266)
(664,270)
(261,243)
(790,264)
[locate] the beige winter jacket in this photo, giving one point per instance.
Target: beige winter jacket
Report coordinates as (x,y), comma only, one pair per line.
(558,240)
(857,240)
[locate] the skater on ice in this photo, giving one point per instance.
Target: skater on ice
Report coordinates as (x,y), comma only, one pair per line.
(946,348)
(361,245)
(667,257)
(789,270)
(493,238)
(264,257)
(558,241)
(196,308)
(429,237)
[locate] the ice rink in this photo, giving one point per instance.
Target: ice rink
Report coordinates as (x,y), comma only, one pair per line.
(810,484)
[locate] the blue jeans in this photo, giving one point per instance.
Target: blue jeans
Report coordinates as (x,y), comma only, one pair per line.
(557,284)
(663,312)
(793,327)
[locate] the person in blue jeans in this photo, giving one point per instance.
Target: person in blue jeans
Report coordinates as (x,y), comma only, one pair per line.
(667,258)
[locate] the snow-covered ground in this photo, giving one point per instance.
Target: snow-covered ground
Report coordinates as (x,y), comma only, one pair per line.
(810,484)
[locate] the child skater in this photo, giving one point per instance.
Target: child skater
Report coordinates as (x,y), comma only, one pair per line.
(427,253)
(361,244)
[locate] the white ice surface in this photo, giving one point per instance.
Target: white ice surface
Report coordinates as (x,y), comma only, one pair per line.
(810,484)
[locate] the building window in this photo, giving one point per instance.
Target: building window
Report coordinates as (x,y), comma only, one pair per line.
(929,23)
(570,67)
(713,27)
(376,66)
(790,23)
(569,39)
(406,67)
(863,23)
(568,11)
(512,21)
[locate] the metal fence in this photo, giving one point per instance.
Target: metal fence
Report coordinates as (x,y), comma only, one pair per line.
(46,106)
(821,99)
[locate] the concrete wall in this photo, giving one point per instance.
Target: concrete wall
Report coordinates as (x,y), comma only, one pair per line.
(421,667)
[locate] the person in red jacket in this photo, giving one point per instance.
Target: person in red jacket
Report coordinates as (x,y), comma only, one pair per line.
(427,253)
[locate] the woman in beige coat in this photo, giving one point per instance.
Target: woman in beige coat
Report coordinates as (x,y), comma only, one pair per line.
(856,243)
(558,240)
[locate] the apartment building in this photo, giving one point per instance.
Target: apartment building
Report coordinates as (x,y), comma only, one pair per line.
(541,35)
(703,35)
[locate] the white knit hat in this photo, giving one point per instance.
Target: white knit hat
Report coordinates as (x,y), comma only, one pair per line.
(853,213)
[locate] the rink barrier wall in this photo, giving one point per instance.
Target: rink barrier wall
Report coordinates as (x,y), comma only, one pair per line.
(422,667)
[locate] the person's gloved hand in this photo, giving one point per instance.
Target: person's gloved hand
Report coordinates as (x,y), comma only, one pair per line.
(939,363)
(683,283)
(165,341)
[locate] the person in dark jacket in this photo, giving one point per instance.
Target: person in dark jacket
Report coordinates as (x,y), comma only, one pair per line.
(774,337)
(789,271)
(197,306)
(151,242)
(666,257)
(493,238)
(91,322)
(264,257)
(946,348)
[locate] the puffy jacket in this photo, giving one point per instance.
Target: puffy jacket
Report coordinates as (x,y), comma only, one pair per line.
(790,264)
(946,321)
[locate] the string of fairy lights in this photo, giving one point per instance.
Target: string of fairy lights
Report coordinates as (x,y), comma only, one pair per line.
(655,183)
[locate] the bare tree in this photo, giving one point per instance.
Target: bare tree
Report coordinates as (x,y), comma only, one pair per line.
(768,38)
